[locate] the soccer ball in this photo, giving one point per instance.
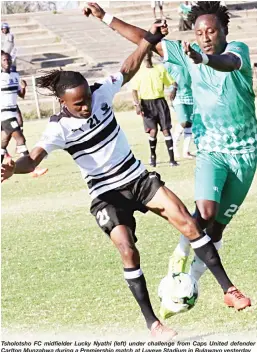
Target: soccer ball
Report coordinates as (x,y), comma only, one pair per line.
(178,293)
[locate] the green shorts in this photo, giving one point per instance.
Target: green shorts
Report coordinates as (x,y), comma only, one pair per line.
(225,179)
(184,112)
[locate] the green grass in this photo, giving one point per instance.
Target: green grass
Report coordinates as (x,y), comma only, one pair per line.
(61,273)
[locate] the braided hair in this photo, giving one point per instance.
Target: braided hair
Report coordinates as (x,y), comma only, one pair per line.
(210,8)
(57,81)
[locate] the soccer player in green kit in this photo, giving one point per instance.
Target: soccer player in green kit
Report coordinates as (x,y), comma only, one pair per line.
(183,105)
(224,125)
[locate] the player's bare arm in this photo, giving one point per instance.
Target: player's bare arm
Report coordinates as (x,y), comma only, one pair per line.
(132,33)
(23,165)
(225,63)
(22,92)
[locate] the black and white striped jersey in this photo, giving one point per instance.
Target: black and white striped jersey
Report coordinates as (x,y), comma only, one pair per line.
(9,94)
(97,144)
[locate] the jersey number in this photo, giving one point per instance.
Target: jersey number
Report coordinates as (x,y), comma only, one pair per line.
(102,217)
(93,121)
(231,210)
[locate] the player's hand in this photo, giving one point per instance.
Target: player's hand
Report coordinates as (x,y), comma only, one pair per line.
(94,9)
(139,110)
(190,52)
(159,25)
(23,84)
(173,94)
(7,170)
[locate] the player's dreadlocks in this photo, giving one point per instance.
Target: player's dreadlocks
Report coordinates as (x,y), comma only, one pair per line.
(209,8)
(58,81)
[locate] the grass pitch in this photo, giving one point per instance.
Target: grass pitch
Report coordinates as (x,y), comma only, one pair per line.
(61,273)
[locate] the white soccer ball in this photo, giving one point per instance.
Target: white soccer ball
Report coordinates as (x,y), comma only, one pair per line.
(178,293)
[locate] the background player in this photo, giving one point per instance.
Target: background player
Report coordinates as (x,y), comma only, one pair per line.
(148,94)
(225,125)
(10,126)
(183,105)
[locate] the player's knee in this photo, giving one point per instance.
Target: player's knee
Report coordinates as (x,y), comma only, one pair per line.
(128,252)
(208,215)
(166,133)
(153,133)
(186,124)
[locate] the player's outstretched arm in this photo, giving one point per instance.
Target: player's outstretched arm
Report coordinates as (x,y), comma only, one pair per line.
(132,64)
(225,63)
(132,33)
(23,165)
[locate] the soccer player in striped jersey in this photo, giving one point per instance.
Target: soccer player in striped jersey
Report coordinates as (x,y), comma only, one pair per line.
(118,183)
(11,88)
(224,125)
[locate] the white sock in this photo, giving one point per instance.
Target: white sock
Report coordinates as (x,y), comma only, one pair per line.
(183,248)
(187,139)
(176,138)
(197,267)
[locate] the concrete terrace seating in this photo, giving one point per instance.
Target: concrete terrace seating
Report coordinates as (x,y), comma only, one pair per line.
(72,41)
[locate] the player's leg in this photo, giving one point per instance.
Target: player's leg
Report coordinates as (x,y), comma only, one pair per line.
(5,139)
(164,120)
(19,118)
(184,115)
(114,214)
(169,144)
(153,144)
(167,205)
(150,126)
(161,9)
(214,231)
(239,180)
(210,177)
(153,7)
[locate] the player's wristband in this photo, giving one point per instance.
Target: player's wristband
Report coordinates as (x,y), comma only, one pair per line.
(107,19)
(205,59)
(153,38)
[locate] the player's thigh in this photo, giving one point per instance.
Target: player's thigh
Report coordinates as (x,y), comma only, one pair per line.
(164,118)
(210,176)
(5,138)
(184,113)
(237,186)
(167,205)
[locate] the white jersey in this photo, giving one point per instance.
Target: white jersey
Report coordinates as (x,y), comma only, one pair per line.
(97,144)
(9,94)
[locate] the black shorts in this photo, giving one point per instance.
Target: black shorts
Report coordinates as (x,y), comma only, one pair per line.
(117,206)
(156,112)
(9,126)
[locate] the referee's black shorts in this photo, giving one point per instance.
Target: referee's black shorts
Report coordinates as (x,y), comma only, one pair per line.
(156,112)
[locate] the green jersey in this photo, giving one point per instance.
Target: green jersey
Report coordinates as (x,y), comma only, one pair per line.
(224,119)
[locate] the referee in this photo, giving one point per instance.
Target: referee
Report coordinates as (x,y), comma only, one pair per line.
(148,94)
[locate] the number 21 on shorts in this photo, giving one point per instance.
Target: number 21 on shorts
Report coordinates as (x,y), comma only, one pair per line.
(102,217)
